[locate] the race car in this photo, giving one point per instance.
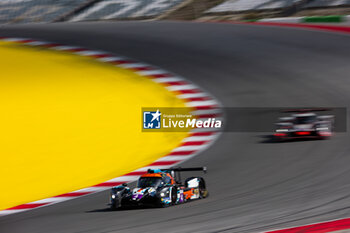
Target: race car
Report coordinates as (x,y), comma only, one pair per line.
(304,123)
(160,188)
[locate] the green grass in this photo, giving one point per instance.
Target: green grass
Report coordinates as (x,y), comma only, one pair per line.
(323,19)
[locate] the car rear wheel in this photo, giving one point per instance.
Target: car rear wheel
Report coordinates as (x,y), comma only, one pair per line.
(203,193)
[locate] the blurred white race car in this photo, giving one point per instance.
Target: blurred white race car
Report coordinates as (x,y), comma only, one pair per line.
(304,123)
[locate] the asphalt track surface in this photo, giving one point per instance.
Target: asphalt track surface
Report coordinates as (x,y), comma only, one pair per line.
(254,186)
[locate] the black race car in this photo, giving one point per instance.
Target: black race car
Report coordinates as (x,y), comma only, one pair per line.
(160,188)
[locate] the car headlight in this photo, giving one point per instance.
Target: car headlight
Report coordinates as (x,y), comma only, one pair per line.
(162,194)
(113,196)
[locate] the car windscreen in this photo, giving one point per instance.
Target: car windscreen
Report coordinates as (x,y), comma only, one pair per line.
(305,120)
(145,182)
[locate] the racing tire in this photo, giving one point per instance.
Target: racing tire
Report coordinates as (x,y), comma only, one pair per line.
(277,139)
(173,195)
(203,193)
(324,137)
(116,204)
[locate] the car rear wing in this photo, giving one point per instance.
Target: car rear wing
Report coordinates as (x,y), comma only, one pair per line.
(325,118)
(178,169)
(175,171)
(188,169)
(282,125)
(284,119)
(303,110)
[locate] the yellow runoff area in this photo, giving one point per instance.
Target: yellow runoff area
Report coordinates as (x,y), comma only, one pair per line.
(69,122)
